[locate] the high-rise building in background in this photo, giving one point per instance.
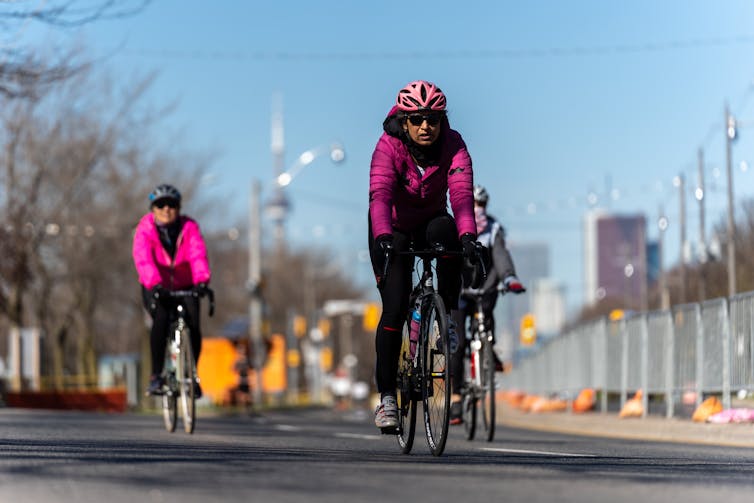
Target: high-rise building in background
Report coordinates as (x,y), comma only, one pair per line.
(616,258)
(532,263)
(653,262)
(548,307)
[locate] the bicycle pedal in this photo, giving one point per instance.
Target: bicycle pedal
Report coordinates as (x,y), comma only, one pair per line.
(391,430)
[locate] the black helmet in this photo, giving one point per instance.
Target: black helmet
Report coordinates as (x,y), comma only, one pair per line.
(480,195)
(164,191)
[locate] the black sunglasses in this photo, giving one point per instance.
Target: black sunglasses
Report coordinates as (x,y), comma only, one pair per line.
(418,119)
(166,202)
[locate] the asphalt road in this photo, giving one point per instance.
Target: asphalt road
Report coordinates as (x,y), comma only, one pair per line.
(318,455)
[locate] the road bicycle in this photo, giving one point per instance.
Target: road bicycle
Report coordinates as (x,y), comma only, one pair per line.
(478,390)
(179,372)
(424,363)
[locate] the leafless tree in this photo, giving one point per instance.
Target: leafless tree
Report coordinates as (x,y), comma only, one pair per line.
(23,72)
(75,178)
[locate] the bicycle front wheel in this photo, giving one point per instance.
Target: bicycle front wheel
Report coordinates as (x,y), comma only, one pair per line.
(469,414)
(435,367)
(406,396)
(169,410)
(169,402)
(488,387)
(186,373)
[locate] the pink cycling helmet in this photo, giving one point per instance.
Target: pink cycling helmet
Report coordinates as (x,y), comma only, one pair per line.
(421,95)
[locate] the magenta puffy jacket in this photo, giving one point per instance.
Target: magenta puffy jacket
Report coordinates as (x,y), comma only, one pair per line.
(154,265)
(400,197)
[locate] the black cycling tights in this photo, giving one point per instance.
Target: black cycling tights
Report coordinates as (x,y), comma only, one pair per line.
(161,324)
(396,289)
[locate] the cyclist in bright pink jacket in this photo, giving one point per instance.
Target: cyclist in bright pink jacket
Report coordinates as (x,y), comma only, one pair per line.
(169,254)
(418,162)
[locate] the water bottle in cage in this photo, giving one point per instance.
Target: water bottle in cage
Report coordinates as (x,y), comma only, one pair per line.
(413,332)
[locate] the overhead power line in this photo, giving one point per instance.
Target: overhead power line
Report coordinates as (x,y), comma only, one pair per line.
(523,53)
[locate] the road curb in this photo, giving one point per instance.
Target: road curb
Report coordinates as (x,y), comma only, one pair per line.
(651,428)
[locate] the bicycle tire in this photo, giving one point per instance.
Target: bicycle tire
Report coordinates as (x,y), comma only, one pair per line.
(488,387)
(169,402)
(435,372)
(406,397)
(469,414)
(170,411)
(186,373)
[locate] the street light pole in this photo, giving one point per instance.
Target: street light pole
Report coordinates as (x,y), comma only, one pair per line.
(699,194)
(254,285)
(730,135)
(662,224)
(680,183)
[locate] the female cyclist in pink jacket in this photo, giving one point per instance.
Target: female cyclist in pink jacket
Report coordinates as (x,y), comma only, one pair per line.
(418,162)
(169,254)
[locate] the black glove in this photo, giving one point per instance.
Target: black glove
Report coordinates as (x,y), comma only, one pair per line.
(468,243)
(383,249)
(159,293)
(202,289)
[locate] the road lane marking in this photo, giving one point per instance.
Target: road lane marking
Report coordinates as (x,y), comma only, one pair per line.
(287,427)
(358,435)
(540,453)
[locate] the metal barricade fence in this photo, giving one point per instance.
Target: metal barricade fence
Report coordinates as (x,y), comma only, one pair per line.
(684,350)
(741,334)
(678,355)
(660,357)
(714,362)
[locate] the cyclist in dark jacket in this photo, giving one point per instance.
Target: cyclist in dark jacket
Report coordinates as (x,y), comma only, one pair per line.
(501,271)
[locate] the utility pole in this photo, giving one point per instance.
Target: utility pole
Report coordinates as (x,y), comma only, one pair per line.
(662,225)
(254,286)
(682,217)
(699,193)
(643,270)
(730,135)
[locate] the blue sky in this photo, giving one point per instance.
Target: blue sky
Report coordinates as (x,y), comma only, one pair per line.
(553,99)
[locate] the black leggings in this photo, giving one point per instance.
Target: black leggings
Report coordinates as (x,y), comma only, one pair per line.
(395,290)
(161,324)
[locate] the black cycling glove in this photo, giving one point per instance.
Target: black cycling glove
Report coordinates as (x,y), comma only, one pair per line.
(468,243)
(383,248)
(202,289)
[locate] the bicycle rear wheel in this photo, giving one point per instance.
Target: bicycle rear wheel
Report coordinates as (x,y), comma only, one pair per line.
(406,396)
(186,373)
(435,366)
(488,387)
